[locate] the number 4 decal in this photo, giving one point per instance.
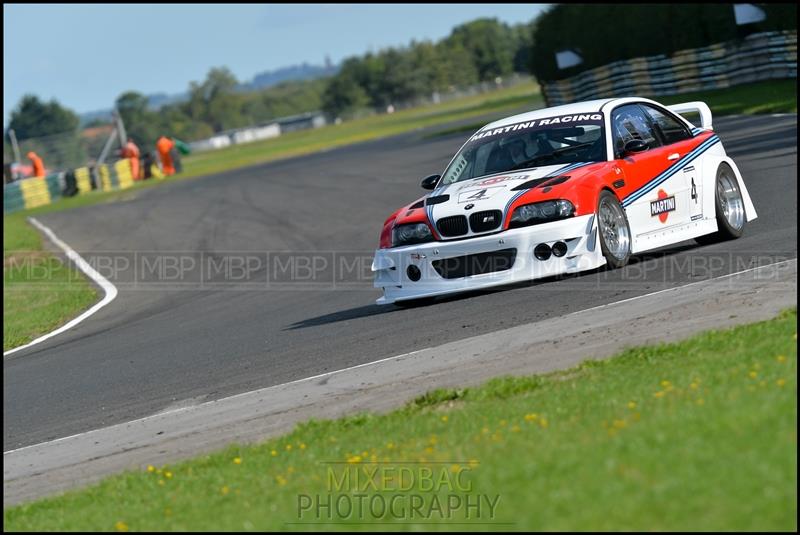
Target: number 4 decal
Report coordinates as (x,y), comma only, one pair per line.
(694,191)
(477,196)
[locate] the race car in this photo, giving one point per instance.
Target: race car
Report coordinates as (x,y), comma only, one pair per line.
(562,190)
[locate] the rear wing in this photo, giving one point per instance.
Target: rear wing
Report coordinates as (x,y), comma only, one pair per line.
(694,108)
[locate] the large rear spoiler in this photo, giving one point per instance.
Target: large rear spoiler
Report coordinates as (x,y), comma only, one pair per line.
(694,108)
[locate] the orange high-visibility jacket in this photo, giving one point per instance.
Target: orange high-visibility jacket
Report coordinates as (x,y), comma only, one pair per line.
(163,146)
(131,151)
(38,165)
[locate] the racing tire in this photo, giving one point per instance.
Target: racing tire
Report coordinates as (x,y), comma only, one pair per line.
(728,207)
(613,230)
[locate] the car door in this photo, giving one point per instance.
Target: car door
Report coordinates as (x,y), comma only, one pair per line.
(678,142)
(656,196)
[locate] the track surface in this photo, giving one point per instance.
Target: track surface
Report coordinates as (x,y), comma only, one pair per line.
(165,344)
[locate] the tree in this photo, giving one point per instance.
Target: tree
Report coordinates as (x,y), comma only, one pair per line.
(343,95)
(142,125)
(214,101)
(490,43)
(34,118)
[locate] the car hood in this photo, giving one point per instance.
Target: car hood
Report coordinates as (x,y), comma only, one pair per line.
(493,192)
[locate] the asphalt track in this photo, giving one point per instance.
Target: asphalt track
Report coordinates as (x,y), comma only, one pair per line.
(169,341)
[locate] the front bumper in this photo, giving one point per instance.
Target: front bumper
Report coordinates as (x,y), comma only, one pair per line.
(391,266)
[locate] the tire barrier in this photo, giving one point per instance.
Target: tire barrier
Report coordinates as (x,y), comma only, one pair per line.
(758,57)
(33,192)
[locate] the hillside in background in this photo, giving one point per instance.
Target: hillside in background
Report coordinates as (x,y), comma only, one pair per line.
(262,80)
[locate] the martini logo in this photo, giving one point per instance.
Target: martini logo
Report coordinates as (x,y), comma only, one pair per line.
(663,206)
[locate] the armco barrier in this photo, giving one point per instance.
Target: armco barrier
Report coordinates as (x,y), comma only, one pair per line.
(33,192)
(762,56)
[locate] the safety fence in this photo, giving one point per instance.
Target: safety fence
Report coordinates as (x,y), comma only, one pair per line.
(33,192)
(762,56)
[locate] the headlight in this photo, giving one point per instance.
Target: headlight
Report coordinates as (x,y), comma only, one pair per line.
(411,234)
(541,212)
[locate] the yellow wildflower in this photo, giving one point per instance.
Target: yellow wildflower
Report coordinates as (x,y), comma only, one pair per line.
(543,422)
(121,526)
(237,460)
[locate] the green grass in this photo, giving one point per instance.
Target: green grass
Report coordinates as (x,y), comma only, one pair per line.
(309,141)
(699,435)
(40,292)
(772,96)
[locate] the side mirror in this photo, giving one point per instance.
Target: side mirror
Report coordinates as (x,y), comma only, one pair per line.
(429,182)
(635,145)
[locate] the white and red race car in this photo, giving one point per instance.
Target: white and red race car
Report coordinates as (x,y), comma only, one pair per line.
(562,190)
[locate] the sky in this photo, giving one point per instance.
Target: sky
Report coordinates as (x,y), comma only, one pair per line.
(86,55)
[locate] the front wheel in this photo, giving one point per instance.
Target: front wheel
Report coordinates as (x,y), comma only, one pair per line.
(729,208)
(613,229)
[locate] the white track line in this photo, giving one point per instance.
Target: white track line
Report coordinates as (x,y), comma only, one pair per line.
(403,355)
(89,271)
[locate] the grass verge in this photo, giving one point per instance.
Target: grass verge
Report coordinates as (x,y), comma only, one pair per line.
(771,96)
(40,291)
(305,142)
(696,435)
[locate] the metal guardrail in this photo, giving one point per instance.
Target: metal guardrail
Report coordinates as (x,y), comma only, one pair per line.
(762,56)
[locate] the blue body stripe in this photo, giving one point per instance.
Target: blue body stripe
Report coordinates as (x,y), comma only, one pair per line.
(674,168)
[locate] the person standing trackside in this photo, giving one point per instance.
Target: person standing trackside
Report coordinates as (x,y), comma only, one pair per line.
(131,151)
(164,145)
(38,165)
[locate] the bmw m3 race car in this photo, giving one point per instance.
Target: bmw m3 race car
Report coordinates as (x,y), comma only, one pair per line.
(562,190)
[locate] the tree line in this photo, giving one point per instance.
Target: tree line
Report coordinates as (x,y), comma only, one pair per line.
(473,52)
(603,33)
(477,51)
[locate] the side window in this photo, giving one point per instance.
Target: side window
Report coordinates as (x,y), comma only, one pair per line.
(629,122)
(670,129)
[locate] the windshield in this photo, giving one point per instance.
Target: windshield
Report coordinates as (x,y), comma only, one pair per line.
(548,141)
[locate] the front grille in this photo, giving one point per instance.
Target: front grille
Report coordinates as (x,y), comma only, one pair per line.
(485,221)
(475,264)
(455,225)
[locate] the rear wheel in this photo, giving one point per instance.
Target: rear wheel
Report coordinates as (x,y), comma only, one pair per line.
(729,208)
(613,229)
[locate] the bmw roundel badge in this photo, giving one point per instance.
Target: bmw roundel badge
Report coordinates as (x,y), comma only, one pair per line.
(469,206)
